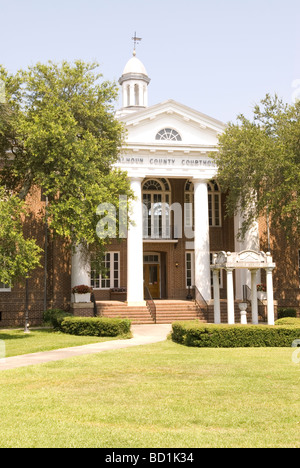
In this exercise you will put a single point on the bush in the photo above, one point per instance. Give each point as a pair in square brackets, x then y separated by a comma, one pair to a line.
[233, 336]
[288, 321]
[95, 326]
[286, 312]
[55, 317]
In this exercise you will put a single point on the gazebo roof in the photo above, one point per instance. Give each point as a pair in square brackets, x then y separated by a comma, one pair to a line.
[245, 259]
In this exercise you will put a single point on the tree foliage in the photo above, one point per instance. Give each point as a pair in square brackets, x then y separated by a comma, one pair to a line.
[259, 165]
[58, 132]
[18, 255]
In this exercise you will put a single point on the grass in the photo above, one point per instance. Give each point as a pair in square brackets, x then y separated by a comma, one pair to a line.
[160, 395]
[17, 342]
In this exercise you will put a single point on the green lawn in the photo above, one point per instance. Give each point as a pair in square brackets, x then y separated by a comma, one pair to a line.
[154, 396]
[17, 342]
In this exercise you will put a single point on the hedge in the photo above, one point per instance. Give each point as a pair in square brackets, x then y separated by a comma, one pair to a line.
[286, 312]
[233, 336]
[55, 317]
[292, 321]
[95, 326]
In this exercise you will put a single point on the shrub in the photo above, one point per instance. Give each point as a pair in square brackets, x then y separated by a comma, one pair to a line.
[288, 321]
[55, 317]
[233, 336]
[286, 312]
[95, 326]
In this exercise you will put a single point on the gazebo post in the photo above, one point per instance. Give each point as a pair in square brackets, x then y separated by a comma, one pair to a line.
[217, 309]
[254, 305]
[270, 293]
[230, 296]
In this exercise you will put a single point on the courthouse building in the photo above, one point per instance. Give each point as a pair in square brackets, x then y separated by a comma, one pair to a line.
[179, 223]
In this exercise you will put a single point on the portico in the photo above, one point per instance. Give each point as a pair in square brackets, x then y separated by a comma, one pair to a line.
[177, 217]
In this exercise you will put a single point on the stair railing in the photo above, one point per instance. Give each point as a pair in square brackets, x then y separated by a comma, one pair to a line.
[247, 294]
[150, 303]
[200, 301]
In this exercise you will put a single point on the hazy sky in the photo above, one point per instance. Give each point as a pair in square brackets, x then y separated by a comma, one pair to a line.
[217, 56]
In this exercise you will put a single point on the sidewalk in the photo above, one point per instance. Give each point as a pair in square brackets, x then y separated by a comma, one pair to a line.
[142, 334]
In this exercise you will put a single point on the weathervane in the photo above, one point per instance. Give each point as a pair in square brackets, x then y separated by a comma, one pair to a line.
[136, 40]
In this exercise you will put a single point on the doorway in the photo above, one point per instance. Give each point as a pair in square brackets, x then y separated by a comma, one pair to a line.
[152, 274]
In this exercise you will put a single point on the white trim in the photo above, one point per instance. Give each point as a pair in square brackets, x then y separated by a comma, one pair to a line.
[4, 287]
[192, 260]
[111, 278]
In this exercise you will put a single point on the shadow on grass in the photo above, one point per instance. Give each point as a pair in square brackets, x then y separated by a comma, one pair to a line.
[19, 334]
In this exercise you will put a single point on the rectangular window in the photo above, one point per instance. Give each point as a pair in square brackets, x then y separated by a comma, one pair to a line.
[189, 269]
[109, 276]
[188, 210]
[5, 287]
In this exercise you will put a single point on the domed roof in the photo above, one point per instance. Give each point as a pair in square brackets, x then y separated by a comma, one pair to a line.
[134, 65]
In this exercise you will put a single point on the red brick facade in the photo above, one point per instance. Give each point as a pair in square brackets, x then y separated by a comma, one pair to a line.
[172, 266]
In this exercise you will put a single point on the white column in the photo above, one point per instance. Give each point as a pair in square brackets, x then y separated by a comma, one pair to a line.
[135, 282]
[230, 296]
[254, 305]
[201, 241]
[270, 296]
[217, 311]
[80, 267]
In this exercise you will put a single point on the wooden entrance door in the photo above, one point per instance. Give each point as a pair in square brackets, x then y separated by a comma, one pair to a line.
[152, 279]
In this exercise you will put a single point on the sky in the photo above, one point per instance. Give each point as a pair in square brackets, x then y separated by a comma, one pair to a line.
[220, 57]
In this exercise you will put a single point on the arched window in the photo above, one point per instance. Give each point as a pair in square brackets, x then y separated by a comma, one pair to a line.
[214, 204]
[156, 209]
[168, 134]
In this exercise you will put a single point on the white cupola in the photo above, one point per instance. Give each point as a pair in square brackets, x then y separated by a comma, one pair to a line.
[134, 82]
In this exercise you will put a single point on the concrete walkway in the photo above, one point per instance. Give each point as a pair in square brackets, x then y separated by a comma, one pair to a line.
[142, 334]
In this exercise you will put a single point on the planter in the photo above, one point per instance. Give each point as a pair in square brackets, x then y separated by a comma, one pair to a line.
[86, 297]
[243, 309]
[262, 295]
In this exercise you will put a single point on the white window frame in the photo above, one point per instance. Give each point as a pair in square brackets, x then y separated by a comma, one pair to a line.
[112, 271]
[5, 287]
[190, 253]
[151, 221]
[214, 201]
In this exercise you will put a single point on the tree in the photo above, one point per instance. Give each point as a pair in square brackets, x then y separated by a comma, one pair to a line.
[58, 132]
[18, 256]
[259, 165]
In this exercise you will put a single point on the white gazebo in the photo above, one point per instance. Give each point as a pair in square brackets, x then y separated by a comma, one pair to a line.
[253, 261]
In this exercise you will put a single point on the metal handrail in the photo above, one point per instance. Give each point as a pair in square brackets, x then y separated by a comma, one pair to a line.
[150, 303]
[199, 299]
[247, 293]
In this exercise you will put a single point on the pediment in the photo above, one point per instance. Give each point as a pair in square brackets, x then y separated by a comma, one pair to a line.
[194, 127]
